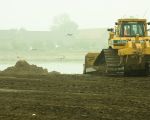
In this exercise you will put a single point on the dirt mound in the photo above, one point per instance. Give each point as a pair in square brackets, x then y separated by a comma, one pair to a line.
[23, 67]
[54, 73]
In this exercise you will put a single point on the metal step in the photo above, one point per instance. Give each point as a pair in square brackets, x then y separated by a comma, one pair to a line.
[113, 65]
[115, 69]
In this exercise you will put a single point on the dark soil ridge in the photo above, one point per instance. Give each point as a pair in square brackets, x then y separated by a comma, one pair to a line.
[22, 67]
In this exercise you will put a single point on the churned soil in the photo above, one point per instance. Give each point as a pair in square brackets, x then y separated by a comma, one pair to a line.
[74, 97]
[22, 67]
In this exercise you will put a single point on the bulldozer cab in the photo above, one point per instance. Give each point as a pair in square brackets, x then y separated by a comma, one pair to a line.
[126, 30]
[131, 28]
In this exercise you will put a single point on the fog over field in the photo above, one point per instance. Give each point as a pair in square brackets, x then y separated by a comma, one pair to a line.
[39, 14]
[56, 64]
[46, 30]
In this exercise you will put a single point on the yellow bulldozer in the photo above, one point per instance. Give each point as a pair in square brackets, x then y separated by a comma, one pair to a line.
[128, 51]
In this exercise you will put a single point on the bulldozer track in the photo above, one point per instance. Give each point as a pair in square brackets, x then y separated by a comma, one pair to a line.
[108, 63]
[147, 60]
[112, 62]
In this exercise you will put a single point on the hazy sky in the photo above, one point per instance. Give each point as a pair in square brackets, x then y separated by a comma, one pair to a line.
[38, 14]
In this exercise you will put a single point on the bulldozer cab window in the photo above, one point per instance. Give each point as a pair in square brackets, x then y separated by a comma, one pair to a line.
[127, 30]
[132, 29]
[137, 29]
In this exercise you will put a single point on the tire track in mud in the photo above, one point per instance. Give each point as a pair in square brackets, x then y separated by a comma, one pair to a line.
[40, 91]
[15, 90]
[7, 90]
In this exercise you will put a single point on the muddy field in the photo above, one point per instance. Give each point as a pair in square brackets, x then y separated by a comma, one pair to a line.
[74, 97]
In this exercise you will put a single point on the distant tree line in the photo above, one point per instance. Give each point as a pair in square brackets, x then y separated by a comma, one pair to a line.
[63, 36]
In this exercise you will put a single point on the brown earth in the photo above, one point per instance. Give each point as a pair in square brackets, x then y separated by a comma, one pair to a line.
[74, 97]
[22, 67]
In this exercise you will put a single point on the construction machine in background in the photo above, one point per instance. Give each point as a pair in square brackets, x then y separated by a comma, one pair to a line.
[128, 51]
